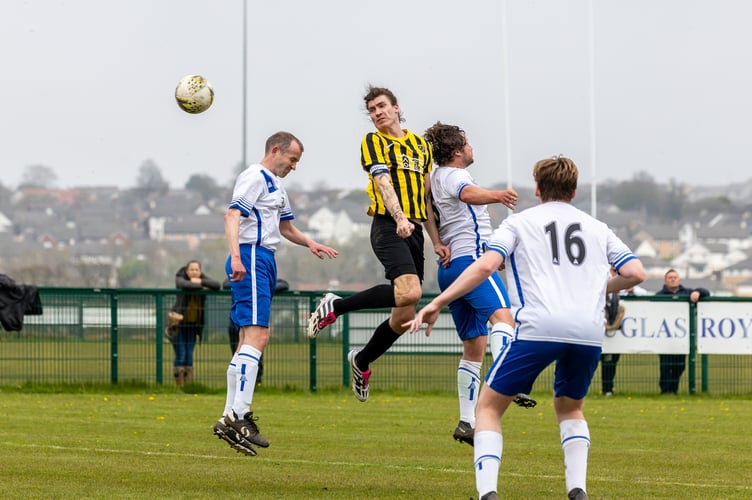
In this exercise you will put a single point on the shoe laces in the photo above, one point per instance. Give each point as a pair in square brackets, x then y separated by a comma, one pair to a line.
[251, 421]
[327, 320]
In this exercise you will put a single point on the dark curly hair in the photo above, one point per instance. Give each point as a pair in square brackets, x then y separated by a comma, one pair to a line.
[445, 141]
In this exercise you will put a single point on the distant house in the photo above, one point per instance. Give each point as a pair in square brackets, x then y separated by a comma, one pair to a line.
[192, 229]
[646, 249]
[663, 238]
[6, 226]
[738, 277]
[337, 227]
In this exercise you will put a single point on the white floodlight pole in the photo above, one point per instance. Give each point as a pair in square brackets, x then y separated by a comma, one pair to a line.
[507, 111]
[593, 195]
[245, 83]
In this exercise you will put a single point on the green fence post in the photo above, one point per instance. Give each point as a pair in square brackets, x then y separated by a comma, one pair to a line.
[704, 372]
[345, 350]
[312, 364]
[692, 347]
[81, 318]
[158, 336]
[114, 337]
[311, 351]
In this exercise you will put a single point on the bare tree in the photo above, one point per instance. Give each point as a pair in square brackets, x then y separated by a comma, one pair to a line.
[150, 180]
[40, 176]
[204, 185]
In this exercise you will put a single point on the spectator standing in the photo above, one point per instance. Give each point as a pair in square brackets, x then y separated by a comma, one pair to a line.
[672, 365]
[615, 311]
[190, 279]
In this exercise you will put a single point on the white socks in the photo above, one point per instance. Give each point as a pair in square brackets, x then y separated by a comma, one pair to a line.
[468, 385]
[501, 335]
[575, 441]
[246, 363]
[232, 383]
[487, 450]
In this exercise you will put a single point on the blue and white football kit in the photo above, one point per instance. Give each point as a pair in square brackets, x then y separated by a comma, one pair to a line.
[548, 248]
[465, 228]
[263, 203]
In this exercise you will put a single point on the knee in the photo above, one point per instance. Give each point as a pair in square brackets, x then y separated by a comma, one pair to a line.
[407, 296]
[407, 290]
[411, 297]
[503, 315]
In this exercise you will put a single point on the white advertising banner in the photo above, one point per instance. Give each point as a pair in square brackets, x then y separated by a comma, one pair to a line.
[724, 328]
[651, 327]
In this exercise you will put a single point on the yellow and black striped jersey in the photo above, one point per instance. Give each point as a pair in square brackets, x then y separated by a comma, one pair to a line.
[406, 160]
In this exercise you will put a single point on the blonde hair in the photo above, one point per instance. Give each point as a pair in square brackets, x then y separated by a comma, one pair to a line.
[556, 178]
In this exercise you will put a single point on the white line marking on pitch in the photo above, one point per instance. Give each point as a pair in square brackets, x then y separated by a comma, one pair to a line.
[742, 487]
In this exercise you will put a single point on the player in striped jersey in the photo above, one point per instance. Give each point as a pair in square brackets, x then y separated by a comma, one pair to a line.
[559, 258]
[398, 163]
[464, 226]
[258, 217]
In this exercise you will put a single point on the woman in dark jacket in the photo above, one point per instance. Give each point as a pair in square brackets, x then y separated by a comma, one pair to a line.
[189, 278]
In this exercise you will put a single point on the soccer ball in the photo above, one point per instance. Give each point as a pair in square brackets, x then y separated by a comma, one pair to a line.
[194, 94]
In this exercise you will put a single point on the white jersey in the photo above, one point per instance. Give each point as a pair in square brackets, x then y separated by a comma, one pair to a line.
[463, 227]
[263, 203]
[557, 259]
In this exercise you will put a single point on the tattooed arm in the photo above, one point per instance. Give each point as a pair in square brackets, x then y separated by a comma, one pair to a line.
[404, 227]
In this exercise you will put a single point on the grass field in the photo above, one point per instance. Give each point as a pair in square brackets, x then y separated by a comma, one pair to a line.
[135, 444]
[288, 366]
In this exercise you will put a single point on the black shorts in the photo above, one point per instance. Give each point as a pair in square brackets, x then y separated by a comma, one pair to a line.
[398, 256]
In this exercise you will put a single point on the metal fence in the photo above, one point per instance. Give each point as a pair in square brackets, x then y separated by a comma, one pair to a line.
[95, 336]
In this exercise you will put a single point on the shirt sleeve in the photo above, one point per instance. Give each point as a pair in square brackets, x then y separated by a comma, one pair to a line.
[456, 181]
[372, 154]
[286, 213]
[248, 189]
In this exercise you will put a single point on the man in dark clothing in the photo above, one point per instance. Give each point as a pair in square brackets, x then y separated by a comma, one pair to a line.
[15, 302]
[672, 365]
[614, 317]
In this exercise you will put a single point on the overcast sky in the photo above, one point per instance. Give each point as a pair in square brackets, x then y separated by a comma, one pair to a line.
[88, 85]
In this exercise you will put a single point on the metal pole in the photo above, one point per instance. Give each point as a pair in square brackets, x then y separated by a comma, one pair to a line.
[507, 111]
[245, 84]
[593, 191]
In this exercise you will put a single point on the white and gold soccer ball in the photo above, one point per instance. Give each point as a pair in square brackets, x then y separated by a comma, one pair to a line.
[194, 94]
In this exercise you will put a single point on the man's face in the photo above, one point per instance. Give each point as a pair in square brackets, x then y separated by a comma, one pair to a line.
[284, 163]
[466, 154]
[672, 280]
[383, 113]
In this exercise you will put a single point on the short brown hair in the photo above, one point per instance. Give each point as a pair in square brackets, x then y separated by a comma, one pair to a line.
[282, 140]
[669, 272]
[374, 92]
[556, 178]
[445, 141]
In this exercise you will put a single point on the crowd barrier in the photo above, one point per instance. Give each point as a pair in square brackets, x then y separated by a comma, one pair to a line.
[117, 336]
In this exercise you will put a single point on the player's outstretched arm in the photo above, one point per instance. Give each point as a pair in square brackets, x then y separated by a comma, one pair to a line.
[294, 235]
[428, 315]
[476, 195]
[470, 278]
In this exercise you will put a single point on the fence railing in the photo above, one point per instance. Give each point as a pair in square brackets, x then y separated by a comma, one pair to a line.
[116, 336]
